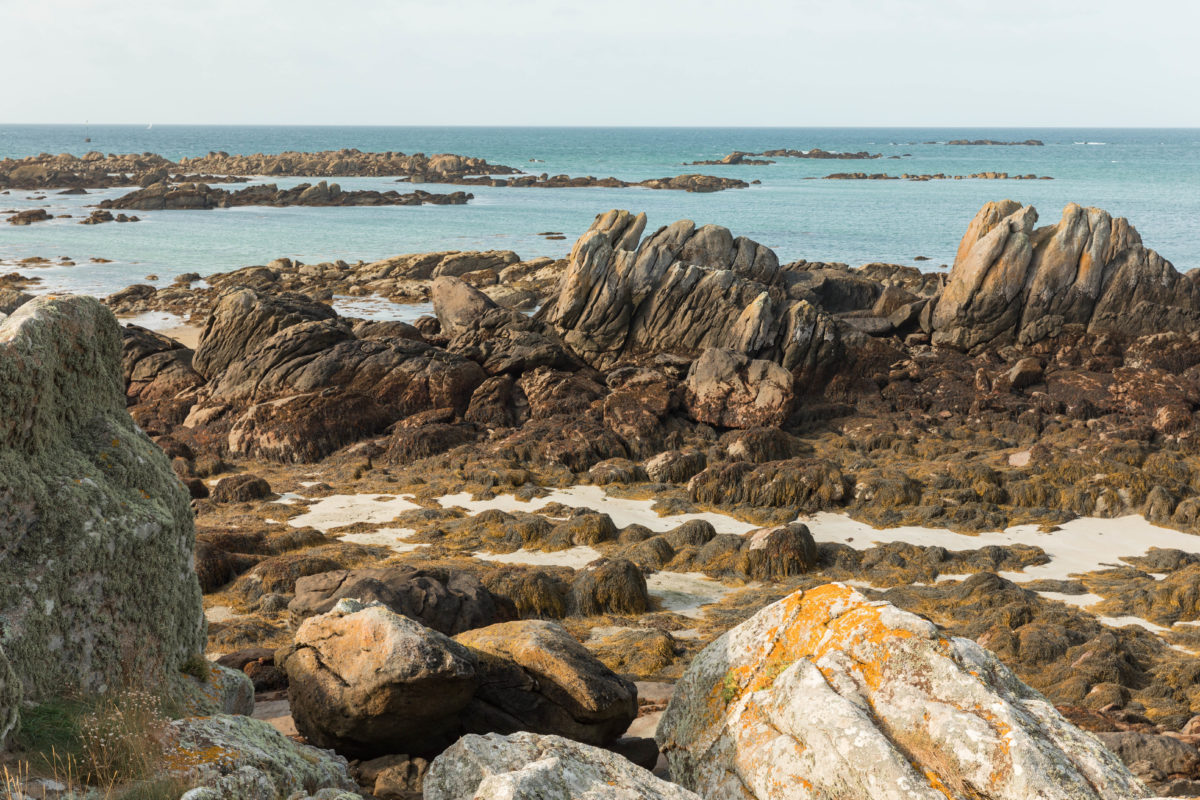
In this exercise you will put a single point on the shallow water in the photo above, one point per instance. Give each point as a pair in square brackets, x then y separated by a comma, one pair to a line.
[1147, 175]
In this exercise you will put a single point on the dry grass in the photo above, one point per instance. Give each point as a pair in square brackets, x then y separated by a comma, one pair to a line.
[111, 747]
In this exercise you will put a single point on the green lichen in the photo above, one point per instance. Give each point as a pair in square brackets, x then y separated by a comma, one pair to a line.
[96, 585]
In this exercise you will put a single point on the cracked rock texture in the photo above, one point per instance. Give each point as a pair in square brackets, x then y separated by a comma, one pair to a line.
[525, 766]
[827, 694]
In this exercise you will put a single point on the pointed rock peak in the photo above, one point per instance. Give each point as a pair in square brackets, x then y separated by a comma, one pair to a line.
[988, 217]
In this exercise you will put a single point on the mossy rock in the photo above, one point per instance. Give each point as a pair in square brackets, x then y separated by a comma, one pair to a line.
[11, 692]
[97, 588]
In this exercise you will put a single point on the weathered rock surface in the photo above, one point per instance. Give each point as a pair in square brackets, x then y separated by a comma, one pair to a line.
[526, 766]
[12, 692]
[448, 601]
[368, 682]
[827, 694]
[239, 758]
[1012, 282]
[682, 290]
[535, 676]
[728, 389]
[97, 584]
[294, 383]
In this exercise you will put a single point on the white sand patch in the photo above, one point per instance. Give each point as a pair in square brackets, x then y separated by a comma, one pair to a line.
[339, 510]
[391, 538]
[623, 511]
[1081, 545]
[289, 499]
[686, 593]
[573, 557]
[1121, 622]
[1078, 600]
[220, 614]
[1020, 459]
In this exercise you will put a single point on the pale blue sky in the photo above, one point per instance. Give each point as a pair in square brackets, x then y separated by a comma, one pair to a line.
[614, 62]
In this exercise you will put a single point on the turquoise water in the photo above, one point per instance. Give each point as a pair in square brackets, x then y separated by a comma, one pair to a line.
[1150, 176]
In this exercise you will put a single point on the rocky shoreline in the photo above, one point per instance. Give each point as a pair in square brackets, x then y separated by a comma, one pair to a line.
[762, 159]
[160, 196]
[625, 543]
[940, 176]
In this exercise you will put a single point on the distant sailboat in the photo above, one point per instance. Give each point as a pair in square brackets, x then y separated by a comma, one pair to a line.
[151, 125]
[87, 134]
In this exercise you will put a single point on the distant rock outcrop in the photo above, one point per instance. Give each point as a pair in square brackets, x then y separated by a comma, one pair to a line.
[191, 196]
[839, 696]
[1014, 283]
[96, 581]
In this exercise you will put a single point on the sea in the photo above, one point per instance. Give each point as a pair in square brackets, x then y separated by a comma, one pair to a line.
[1150, 176]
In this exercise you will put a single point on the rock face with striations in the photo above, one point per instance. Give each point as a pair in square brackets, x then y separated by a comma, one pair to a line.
[96, 580]
[1015, 283]
[681, 290]
[294, 382]
[827, 694]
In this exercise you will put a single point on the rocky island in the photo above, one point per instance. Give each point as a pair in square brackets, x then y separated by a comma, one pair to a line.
[622, 547]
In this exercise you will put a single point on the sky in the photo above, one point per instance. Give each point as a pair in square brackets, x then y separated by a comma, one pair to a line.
[1087, 63]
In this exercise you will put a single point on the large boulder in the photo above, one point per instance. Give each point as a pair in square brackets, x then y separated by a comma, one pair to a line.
[367, 681]
[526, 766]
[827, 694]
[730, 390]
[681, 290]
[96, 582]
[457, 304]
[535, 676]
[448, 601]
[239, 758]
[1012, 282]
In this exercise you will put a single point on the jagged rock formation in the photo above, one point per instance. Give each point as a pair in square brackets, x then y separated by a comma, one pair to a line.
[191, 196]
[828, 694]
[1014, 283]
[293, 382]
[96, 581]
[682, 290]
[526, 766]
